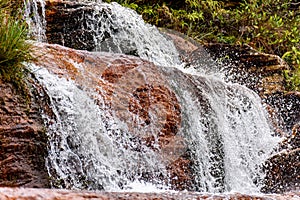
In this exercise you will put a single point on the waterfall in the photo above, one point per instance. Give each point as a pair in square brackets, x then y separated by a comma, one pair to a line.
[130, 34]
[91, 146]
[227, 131]
[36, 19]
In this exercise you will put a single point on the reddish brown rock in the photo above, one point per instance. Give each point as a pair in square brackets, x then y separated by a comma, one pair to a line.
[22, 140]
[136, 92]
[46, 194]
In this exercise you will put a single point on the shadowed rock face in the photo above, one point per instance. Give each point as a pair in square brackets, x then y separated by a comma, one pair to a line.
[282, 170]
[22, 140]
[67, 24]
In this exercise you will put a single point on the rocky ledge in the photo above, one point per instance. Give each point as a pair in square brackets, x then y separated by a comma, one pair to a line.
[47, 194]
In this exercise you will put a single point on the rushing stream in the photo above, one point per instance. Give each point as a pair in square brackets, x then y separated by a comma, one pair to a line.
[223, 126]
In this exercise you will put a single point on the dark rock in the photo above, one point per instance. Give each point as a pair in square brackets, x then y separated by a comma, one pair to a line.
[258, 71]
[286, 105]
[283, 172]
[22, 140]
[67, 24]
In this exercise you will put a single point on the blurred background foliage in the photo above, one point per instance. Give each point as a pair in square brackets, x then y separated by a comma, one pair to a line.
[270, 26]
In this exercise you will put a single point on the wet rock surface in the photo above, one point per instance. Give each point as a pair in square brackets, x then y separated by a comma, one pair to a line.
[22, 140]
[260, 72]
[137, 93]
[46, 194]
[67, 24]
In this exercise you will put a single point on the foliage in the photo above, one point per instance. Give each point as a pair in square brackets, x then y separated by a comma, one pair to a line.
[271, 26]
[14, 49]
[293, 78]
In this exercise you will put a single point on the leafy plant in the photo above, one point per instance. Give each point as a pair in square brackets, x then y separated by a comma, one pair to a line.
[293, 77]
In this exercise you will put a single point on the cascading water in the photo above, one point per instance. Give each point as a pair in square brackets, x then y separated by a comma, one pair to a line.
[129, 34]
[90, 148]
[36, 20]
[227, 130]
[224, 125]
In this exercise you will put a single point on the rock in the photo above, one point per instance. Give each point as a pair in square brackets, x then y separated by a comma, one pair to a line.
[283, 172]
[47, 194]
[286, 105]
[258, 71]
[283, 169]
[65, 24]
[240, 63]
[22, 140]
[138, 94]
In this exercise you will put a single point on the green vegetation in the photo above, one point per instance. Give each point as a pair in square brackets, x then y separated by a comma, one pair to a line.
[270, 26]
[14, 49]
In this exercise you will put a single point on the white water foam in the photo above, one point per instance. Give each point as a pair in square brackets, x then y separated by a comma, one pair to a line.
[36, 19]
[129, 34]
[89, 148]
[227, 130]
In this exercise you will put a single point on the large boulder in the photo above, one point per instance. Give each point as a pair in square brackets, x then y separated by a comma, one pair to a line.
[137, 93]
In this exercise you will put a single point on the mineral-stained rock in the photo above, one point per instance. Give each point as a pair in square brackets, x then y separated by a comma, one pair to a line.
[22, 140]
[136, 92]
[47, 194]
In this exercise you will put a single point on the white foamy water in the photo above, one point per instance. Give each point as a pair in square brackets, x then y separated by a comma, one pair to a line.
[227, 130]
[36, 19]
[129, 34]
[89, 148]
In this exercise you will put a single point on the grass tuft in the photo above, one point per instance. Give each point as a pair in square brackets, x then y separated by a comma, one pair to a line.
[14, 49]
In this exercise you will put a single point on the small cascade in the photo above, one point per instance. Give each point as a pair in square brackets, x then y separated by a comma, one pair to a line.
[94, 145]
[89, 147]
[36, 19]
[129, 34]
[227, 130]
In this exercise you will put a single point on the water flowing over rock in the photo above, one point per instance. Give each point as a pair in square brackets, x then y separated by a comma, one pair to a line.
[115, 121]
[106, 27]
[175, 125]
[131, 90]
